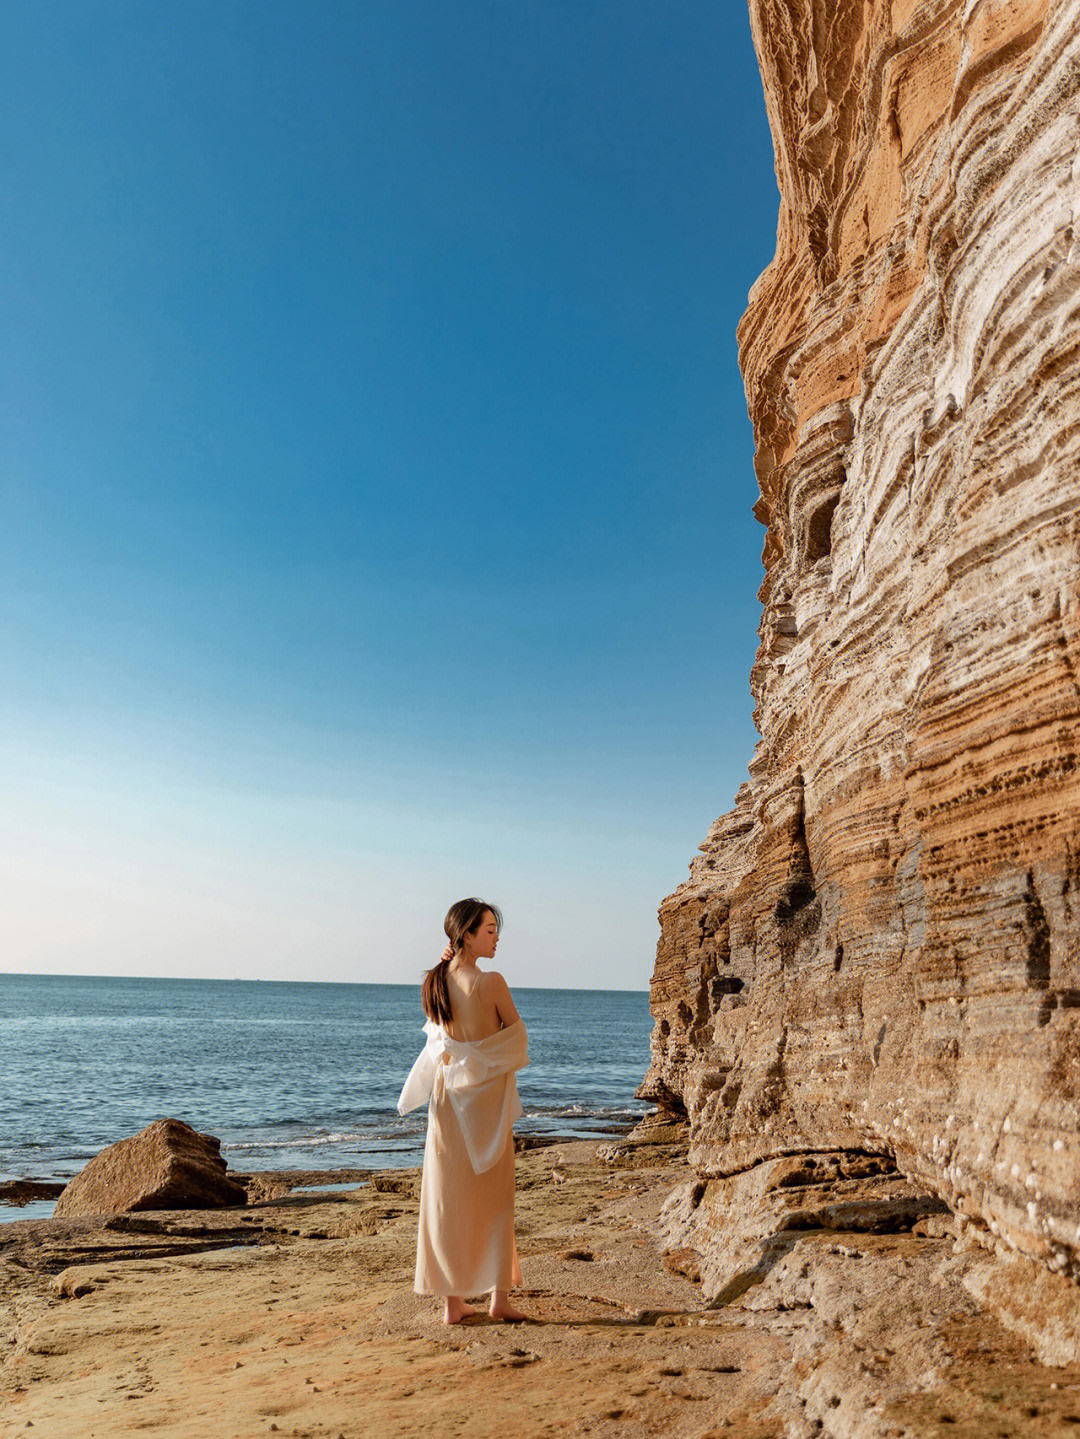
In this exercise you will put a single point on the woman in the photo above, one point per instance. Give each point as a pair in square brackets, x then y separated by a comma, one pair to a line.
[476, 1042]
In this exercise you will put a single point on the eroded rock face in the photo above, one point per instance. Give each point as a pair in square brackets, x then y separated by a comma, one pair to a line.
[742, 1226]
[167, 1165]
[878, 949]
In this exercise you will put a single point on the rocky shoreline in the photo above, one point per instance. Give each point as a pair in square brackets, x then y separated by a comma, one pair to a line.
[295, 1315]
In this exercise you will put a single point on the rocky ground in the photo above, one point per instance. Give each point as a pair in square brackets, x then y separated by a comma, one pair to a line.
[296, 1316]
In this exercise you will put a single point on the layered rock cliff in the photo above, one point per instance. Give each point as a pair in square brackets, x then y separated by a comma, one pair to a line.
[878, 950]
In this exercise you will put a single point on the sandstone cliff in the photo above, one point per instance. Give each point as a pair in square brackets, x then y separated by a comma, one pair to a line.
[878, 950]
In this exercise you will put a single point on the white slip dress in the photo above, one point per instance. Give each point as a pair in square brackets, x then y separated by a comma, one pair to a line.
[465, 1234]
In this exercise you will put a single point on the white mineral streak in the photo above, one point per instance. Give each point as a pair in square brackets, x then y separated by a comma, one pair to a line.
[878, 949]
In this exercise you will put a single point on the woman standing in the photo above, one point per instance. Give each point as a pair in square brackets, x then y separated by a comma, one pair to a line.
[476, 1042]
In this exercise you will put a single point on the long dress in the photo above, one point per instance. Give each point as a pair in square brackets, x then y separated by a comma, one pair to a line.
[465, 1233]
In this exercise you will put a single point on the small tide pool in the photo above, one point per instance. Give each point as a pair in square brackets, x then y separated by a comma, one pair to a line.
[33, 1209]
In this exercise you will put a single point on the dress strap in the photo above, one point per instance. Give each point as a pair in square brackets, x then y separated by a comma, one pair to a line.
[469, 993]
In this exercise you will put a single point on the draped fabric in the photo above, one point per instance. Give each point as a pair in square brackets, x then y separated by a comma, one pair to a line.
[465, 1231]
[478, 1076]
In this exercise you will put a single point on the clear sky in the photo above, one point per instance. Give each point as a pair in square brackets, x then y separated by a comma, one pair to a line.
[376, 477]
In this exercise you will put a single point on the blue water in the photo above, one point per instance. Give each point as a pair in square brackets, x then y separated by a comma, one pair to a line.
[287, 1075]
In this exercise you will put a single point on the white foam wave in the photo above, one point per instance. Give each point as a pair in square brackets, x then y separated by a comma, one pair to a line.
[302, 1141]
[586, 1111]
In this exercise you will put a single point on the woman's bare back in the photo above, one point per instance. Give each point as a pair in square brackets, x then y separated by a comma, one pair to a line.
[480, 1002]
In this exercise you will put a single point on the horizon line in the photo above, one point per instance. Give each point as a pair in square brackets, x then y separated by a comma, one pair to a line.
[238, 979]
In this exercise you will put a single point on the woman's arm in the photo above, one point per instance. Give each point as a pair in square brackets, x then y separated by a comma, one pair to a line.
[504, 1004]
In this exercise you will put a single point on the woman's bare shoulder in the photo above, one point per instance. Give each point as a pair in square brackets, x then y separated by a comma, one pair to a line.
[497, 991]
[498, 994]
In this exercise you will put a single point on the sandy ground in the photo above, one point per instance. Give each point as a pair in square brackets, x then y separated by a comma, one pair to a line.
[296, 1316]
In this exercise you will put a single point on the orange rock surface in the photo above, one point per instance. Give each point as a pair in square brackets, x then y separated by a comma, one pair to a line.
[167, 1165]
[295, 1314]
[878, 949]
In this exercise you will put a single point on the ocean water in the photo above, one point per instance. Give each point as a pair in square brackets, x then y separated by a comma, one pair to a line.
[287, 1075]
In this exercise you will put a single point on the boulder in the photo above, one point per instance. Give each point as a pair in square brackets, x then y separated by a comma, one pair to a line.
[167, 1165]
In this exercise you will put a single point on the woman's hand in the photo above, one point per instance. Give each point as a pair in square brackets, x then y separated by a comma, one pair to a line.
[447, 955]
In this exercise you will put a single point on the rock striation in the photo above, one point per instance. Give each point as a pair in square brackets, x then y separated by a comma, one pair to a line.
[877, 952]
[167, 1165]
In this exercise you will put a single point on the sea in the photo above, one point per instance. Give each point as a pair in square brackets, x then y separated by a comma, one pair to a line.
[287, 1075]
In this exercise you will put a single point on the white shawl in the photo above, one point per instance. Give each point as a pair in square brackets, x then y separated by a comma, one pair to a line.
[479, 1078]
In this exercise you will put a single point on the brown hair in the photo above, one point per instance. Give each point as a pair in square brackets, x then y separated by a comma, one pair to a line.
[462, 918]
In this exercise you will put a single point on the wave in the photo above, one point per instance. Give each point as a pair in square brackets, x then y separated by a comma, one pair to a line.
[412, 1126]
[314, 1141]
[586, 1111]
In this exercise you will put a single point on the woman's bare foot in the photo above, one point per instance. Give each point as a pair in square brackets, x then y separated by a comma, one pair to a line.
[455, 1310]
[501, 1308]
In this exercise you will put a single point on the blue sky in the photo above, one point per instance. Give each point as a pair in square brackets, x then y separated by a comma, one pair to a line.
[376, 477]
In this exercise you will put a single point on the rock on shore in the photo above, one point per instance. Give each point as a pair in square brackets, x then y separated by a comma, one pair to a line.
[167, 1165]
[878, 950]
